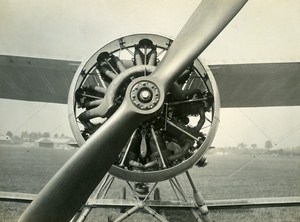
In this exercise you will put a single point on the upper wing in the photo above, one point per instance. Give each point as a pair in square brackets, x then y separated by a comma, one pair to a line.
[35, 79]
[240, 85]
[256, 85]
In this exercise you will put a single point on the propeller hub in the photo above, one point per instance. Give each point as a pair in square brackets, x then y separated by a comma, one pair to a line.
[145, 95]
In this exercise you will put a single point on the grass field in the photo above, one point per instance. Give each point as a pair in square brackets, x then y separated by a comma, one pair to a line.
[28, 170]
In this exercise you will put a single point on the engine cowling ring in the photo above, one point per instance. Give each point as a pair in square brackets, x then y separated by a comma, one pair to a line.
[194, 95]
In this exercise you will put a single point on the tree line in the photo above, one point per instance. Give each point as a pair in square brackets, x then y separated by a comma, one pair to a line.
[30, 137]
[268, 145]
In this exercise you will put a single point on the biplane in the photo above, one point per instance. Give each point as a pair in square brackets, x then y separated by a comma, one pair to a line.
[144, 108]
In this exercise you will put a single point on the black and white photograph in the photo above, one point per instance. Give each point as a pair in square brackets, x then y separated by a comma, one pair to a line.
[144, 111]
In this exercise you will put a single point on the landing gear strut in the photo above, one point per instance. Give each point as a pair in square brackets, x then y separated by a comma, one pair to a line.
[142, 201]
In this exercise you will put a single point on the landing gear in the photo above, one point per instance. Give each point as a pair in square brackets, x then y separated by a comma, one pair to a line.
[123, 197]
[142, 193]
[182, 117]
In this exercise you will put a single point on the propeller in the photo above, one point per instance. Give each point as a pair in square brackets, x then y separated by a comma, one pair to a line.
[71, 186]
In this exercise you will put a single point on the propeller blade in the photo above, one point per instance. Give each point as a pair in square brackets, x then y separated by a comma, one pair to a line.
[71, 186]
[207, 21]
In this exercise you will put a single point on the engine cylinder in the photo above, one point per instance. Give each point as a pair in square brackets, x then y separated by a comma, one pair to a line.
[173, 140]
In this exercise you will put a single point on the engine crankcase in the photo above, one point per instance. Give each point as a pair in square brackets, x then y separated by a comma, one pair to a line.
[176, 137]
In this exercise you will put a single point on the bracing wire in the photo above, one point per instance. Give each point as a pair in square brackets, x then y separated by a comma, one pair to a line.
[228, 133]
[281, 139]
[254, 157]
[29, 118]
[288, 134]
[58, 126]
[258, 127]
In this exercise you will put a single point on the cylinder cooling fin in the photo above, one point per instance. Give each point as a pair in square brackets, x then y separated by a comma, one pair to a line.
[171, 141]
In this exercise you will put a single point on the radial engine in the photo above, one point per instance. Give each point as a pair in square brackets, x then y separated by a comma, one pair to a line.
[176, 137]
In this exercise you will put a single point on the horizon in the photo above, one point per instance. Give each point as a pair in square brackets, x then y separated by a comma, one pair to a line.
[237, 125]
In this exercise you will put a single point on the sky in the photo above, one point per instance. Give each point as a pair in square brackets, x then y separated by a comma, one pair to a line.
[264, 31]
[72, 29]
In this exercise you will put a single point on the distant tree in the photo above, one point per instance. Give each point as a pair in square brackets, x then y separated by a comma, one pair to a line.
[16, 139]
[254, 146]
[36, 136]
[62, 135]
[46, 135]
[25, 136]
[55, 135]
[39, 135]
[32, 136]
[268, 144]
[242, 145]
[9, 134]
